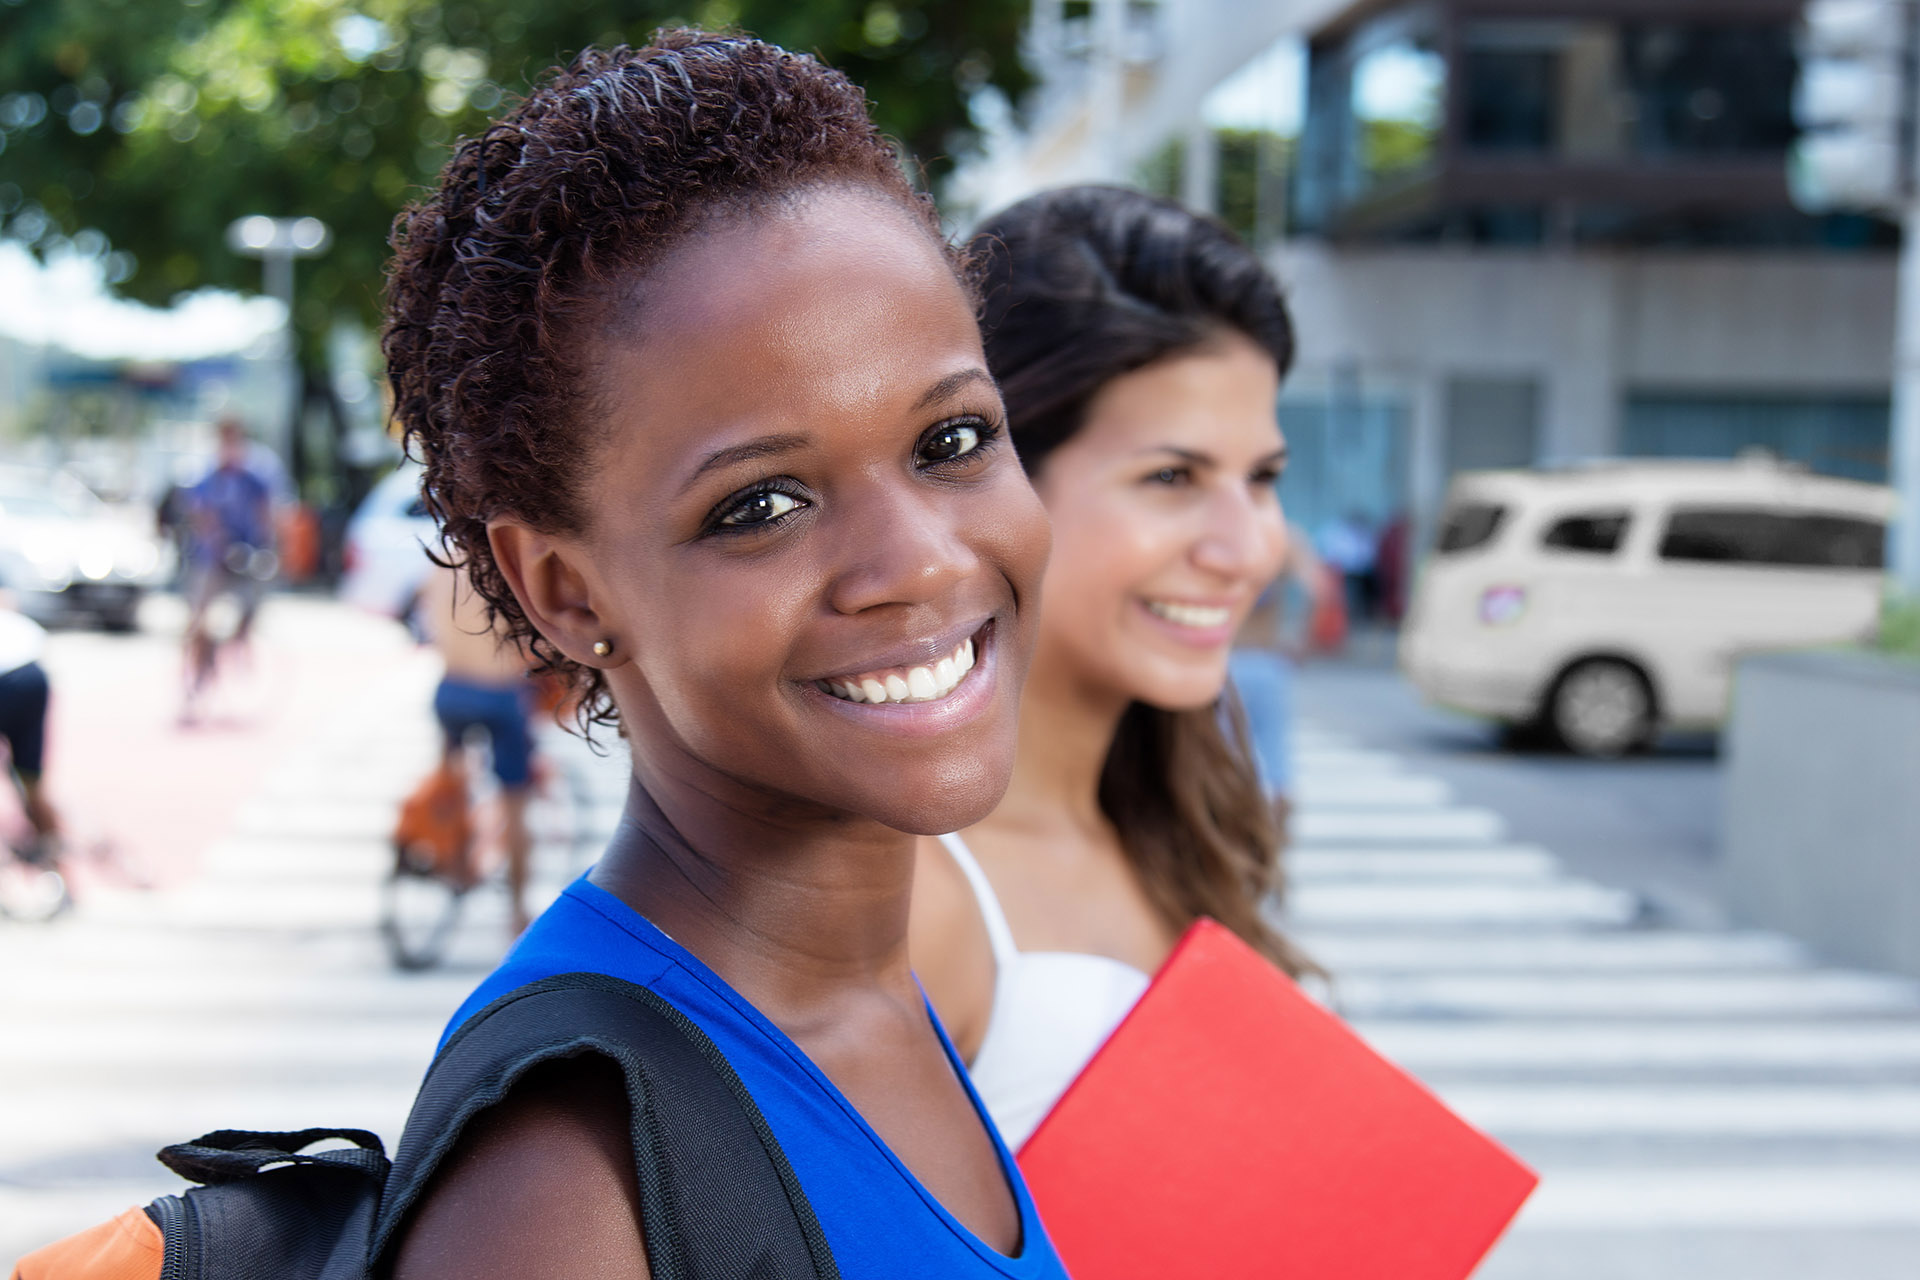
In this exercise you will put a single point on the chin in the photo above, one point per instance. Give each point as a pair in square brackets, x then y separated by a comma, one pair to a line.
[954, 799]
[1184, 689]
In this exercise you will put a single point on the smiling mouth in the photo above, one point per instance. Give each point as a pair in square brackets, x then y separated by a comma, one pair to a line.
[1190, 615]
[928, 683]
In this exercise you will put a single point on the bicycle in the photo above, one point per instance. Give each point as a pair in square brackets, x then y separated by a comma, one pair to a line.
[32, 887]
[432, 877]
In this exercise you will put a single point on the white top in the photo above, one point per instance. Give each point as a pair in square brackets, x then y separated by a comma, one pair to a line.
[1051, 1011]
[22, 640]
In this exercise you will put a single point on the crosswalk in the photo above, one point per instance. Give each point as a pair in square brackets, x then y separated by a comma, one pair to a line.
[258, 995]
[1698, 1103]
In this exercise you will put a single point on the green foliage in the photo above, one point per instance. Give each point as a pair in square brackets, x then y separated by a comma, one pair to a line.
[1900, 626]
[1253, 166]
[157, 122]
[1393, 148]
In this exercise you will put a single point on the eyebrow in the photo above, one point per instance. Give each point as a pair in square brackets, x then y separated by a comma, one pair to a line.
[951, 383]
[1277, 457]
[750, 451]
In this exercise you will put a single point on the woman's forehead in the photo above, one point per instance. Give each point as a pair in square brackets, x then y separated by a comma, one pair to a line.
[839, 304]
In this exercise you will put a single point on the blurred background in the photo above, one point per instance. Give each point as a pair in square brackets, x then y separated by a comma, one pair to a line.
[1605, 428]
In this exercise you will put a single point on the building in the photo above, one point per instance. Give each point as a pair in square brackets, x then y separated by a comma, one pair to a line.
[1518, 231]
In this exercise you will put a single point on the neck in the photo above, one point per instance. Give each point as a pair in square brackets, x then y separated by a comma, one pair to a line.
[792, 912]
[1066, 730]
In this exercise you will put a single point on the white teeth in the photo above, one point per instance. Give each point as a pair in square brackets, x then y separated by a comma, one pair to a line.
[919, 684]
[1191, 615]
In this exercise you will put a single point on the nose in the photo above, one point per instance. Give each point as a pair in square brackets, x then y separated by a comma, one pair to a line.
[897, 544]
[1243, 536]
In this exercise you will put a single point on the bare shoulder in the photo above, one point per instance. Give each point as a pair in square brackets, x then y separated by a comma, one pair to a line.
[540, 1186]
[947, 941]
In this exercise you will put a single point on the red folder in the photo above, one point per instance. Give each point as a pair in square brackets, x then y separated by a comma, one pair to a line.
[1231, 1127]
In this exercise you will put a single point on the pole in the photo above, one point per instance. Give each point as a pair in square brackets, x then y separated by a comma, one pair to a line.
[1903, 443]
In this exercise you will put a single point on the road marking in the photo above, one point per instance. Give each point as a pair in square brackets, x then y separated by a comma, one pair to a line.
[1453, 826]
[1401, 949]
[1721, 1110]
[1790, 1198]
[1321, 790]
[1422, 1045]
[1510, 862]
[1778, 994]
[1565, 902]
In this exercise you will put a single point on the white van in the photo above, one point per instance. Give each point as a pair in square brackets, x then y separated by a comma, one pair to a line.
[1606, 600]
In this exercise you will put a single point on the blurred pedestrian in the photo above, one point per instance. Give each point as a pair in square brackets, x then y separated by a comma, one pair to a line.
[1140, 349]
[484, 687]
[1277, 638]
[1349, 545]
[230, 552]
[24, 695]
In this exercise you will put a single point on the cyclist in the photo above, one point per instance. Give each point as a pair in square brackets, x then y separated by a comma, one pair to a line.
[485, 686]
[230, 549]
[23, 723]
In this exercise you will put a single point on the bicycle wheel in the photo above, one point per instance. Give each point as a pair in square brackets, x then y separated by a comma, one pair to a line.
[419, 910]
[32, 891]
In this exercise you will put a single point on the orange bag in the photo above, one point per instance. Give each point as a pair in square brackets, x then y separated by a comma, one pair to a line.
[435, 830]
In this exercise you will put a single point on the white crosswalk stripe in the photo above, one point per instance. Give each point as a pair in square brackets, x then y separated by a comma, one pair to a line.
[1689, 1086]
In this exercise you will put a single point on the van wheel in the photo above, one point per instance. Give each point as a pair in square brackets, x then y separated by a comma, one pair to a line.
[1602, 708]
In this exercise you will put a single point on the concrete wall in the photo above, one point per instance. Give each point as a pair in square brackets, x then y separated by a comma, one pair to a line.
[1590, 327]
[1821, 834]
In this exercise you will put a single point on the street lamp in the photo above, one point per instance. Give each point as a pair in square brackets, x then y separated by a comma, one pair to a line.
[277, 242]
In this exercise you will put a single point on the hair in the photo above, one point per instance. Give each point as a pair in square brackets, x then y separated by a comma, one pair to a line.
[499, 274]
[1081, 285]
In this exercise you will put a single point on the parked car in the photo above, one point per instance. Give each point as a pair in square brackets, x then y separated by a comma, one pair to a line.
[67, 556]
[1603, 602]
[386, 545]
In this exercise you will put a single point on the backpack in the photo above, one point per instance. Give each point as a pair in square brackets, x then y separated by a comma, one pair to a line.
[269, 1208]
[434, 832]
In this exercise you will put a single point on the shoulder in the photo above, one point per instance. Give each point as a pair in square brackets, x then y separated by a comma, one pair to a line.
[948, 943]
[541, 1185]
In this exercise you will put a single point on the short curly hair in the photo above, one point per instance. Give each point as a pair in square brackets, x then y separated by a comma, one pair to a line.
[495, 276]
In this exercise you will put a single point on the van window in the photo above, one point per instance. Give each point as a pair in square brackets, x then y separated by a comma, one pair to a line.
[1730, 535]
[1598, 532]
[1468, 525]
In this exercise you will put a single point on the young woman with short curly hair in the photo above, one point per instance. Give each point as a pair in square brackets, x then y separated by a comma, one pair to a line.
[706, 419]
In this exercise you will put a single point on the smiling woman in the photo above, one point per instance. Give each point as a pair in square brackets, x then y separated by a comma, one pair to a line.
[1140, 348]
[706, 418]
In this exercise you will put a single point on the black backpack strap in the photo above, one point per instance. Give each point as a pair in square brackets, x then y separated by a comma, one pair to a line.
[718, 1198]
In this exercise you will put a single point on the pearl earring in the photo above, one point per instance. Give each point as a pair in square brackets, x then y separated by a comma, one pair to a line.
[601, 648]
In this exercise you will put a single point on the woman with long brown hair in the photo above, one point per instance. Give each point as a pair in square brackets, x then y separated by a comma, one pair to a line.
[1139, 349]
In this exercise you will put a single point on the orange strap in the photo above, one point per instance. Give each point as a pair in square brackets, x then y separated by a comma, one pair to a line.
[127, 1248]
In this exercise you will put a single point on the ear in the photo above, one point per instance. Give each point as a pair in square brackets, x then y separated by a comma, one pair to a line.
[544, 572]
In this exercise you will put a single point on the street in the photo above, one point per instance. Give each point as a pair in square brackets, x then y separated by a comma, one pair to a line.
[1533, 936]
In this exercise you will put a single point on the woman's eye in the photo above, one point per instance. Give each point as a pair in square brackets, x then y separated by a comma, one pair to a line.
[954, 440]
[760, 508]
[1171, 475]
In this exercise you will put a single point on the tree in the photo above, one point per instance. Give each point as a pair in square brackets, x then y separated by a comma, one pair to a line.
[155, 123]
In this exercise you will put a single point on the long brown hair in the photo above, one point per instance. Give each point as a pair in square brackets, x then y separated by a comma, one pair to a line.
[1079, 286]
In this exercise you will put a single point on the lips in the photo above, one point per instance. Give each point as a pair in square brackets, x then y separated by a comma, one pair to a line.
[928, 682]
[1201, 616]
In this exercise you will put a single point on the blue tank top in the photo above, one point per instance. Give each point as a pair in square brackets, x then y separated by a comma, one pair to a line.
[881, 1223]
